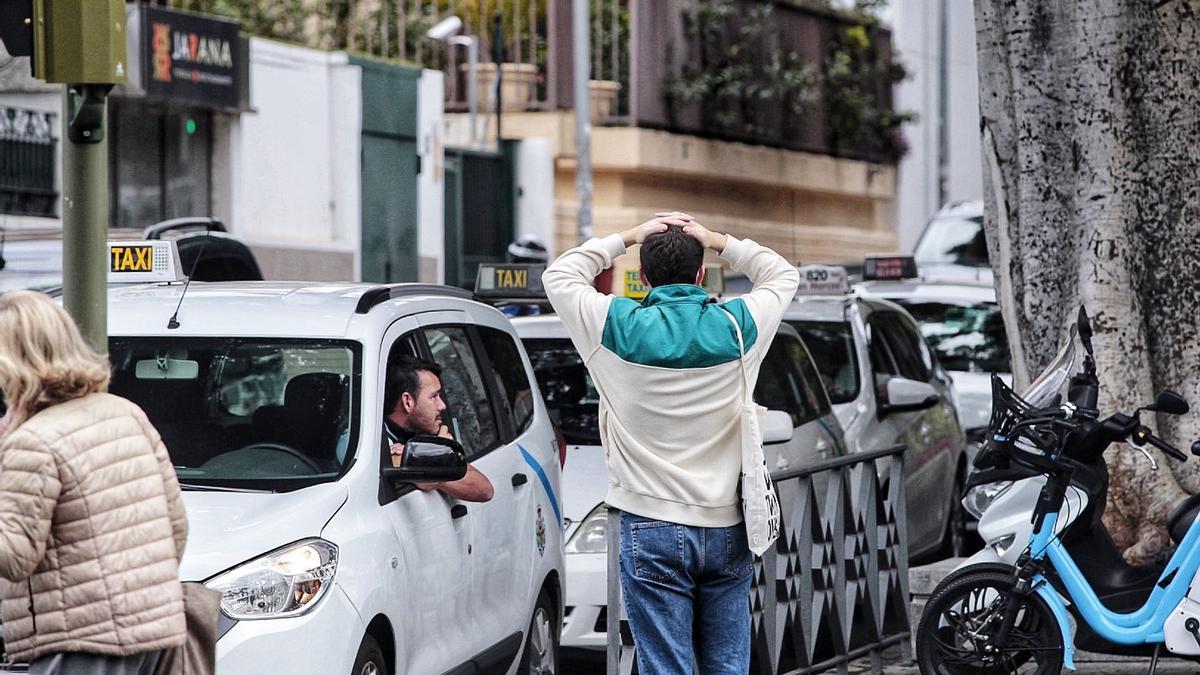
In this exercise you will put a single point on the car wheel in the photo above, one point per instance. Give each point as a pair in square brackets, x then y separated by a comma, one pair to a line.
[370, 659]
[541, 640]
[954, 542]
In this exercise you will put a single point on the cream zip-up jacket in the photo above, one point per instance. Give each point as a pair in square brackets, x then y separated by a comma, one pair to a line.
[669, 379]
[92, 528]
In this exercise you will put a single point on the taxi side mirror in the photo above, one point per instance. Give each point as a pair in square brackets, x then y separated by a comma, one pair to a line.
[905, 395]
[777, 427]
[429, 459]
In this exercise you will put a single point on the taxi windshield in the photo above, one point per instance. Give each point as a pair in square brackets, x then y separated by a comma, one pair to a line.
[570, 396]
[258, 413]
[831, 344]
[967, 337]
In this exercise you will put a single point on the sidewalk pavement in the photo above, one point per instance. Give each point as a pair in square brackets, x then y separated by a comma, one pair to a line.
[1086, 663]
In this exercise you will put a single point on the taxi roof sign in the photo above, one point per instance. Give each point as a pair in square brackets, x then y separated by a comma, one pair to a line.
[149, 261]
[823, 280]
[510, 281]
[889, 267]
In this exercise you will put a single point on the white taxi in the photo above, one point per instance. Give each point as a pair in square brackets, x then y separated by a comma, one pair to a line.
[961, 321]
[888, 388]
[800, 429]
[269, 397]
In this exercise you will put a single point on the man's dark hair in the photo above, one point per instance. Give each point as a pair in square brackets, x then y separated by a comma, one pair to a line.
[405, 378]
[671, 257]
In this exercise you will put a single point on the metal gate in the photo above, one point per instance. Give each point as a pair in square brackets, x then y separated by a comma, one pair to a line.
[479, 210]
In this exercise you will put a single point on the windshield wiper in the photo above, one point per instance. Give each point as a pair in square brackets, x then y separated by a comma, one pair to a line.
[218, 488]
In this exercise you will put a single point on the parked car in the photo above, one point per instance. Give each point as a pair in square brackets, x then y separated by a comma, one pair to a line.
[269, 398]
[962, 323]
[888, 387]
[34, 259]
[801, 428]
[954, 244]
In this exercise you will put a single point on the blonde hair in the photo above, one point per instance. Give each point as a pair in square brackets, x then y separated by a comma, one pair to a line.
[44, 359]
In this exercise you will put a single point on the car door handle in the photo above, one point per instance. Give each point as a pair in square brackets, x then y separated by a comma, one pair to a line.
[519, 479]
[458, 511]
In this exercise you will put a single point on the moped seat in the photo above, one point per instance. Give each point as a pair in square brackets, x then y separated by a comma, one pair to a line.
[1182, 516]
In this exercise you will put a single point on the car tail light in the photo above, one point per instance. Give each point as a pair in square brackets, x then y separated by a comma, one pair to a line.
[561, 442]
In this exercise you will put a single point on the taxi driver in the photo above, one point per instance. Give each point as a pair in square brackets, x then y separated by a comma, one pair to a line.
[413, 405]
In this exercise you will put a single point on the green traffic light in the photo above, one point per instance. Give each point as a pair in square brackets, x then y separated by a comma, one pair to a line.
[190, 126]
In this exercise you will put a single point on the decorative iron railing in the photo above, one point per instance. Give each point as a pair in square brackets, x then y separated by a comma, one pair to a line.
[27, 163]
[835, 586]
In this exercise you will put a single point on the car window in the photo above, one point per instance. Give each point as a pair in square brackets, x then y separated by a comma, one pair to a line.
[571, 397]
[834, 355]
[780, 386]
[967, 337]
[909, 354]
[508, 369]
[879, 349]
[953, 240]
[468, 407]
[811, 386]
[265, 413]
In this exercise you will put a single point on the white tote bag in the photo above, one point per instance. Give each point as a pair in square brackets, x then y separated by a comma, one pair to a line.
[760, 505]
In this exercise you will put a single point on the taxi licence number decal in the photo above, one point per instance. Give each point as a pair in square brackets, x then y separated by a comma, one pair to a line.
[132, 259]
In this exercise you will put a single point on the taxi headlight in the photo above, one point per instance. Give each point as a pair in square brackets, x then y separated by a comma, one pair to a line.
[979, 498]
[283, 583]
[592, 534]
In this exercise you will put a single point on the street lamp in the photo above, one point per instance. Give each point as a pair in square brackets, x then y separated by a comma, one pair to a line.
[446, 31]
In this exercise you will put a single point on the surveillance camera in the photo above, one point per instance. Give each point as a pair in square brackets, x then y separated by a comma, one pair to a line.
[445, 28]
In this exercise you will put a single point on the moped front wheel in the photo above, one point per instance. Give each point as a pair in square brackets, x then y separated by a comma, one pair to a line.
[956, 634]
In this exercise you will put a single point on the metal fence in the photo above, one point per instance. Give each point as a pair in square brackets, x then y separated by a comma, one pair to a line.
[27, 163]
[835, 586]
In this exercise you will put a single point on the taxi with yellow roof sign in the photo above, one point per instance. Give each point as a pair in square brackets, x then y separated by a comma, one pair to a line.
[270, 398]
[800, 428]
[887, 388]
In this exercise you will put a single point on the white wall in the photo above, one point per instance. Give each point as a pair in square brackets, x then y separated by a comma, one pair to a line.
[294, 165]
[915, 34]
[431, 182]
[18, 89]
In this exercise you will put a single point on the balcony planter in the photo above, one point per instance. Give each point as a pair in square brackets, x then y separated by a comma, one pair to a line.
[517, 86]
[604, 98]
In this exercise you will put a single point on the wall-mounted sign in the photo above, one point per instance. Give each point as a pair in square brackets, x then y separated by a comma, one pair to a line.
[191, 58]
[634, 288]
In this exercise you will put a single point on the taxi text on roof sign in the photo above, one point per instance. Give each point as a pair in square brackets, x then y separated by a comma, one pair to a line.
[509, 281]
[143, 261]
[879, 267]
[131, 258]
[822, 280]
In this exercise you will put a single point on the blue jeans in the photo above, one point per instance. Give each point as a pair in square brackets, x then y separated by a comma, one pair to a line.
[687, 592]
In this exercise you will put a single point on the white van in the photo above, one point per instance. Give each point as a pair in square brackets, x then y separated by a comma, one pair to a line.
[269, 395]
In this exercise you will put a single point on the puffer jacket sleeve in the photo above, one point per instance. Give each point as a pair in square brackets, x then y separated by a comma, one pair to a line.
[29, 490]
[170, 484]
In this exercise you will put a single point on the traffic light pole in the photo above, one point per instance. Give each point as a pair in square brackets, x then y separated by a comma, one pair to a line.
[85, 211]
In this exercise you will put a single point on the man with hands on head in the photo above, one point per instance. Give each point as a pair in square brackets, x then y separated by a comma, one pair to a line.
[669, 373]
[413, 406]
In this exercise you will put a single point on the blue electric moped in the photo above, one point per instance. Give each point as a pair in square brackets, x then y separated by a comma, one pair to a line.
[1002, 618]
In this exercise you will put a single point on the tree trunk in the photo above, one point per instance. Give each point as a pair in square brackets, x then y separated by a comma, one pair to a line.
[1091, 124]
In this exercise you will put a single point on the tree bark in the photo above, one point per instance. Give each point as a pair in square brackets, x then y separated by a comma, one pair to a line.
[1091, 123]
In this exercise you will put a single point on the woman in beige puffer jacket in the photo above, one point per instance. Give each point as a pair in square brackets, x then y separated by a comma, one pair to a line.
[91, 520]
